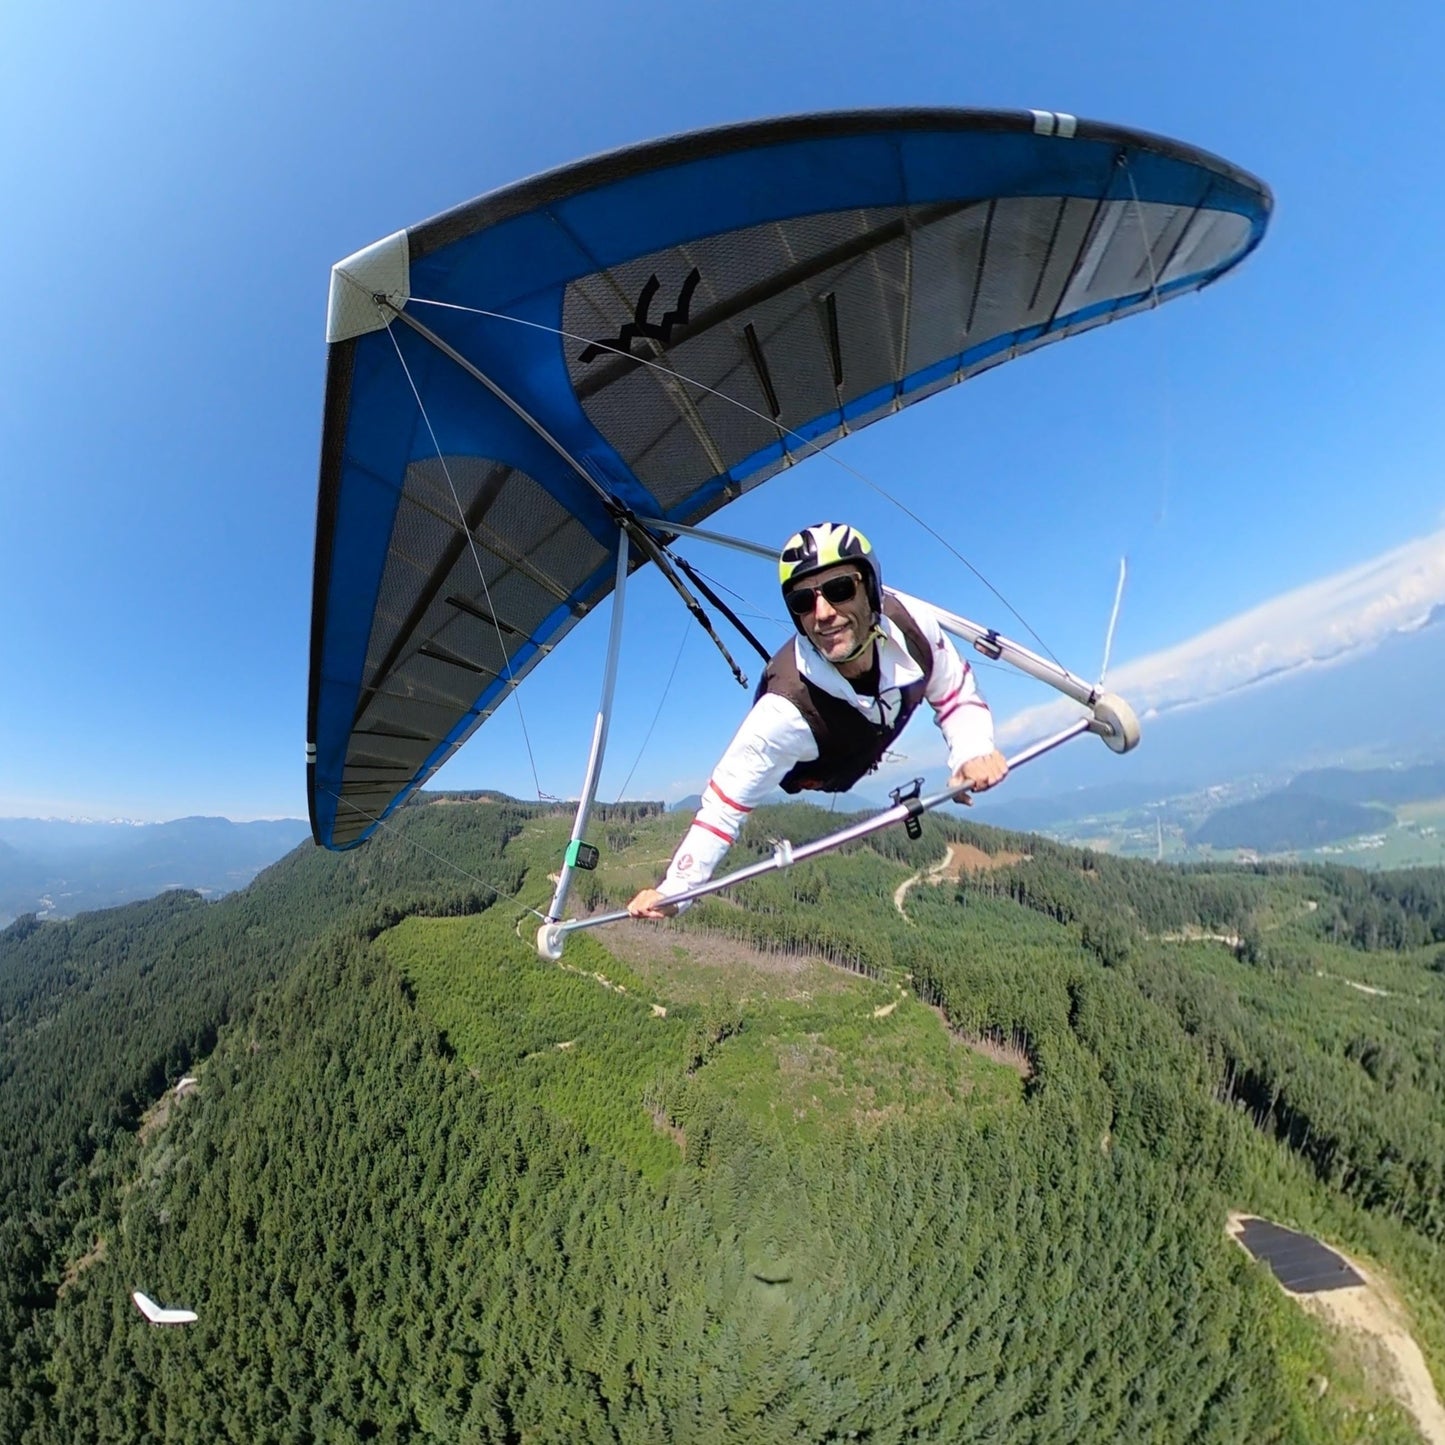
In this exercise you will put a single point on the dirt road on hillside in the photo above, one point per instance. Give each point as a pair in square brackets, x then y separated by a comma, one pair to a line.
[960, 859]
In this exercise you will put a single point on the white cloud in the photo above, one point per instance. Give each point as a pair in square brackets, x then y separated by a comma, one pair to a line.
[1318, 623]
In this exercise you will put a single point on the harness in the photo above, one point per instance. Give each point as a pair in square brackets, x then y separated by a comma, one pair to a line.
[850, 745]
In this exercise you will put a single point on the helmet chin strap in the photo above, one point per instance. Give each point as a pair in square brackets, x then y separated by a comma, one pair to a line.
[874, 634]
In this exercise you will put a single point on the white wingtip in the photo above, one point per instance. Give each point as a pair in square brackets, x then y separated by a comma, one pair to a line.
[381, 269]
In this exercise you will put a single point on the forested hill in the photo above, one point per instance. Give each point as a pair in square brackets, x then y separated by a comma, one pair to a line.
[1320, 806]
[830, 1159]
[1289, 820]
[1417, 783]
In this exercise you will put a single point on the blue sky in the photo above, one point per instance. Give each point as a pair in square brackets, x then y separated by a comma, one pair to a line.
[179, 180]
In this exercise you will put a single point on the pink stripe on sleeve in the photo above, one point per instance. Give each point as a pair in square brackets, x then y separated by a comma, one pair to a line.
[708, 828]
[727, 799]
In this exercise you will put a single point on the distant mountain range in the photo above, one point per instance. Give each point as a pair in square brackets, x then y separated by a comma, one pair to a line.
[1323, 805]
[60, 867]
[1381, 707]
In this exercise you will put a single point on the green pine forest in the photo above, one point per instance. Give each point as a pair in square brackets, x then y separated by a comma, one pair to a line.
[798, 1166]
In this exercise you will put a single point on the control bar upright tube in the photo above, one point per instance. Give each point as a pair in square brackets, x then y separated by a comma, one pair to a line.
[599, 732]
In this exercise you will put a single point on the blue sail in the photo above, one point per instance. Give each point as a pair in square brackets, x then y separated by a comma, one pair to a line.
[653, 332]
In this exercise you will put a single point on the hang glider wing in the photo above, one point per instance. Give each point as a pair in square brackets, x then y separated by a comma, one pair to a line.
[159, 1314]
[495, 398]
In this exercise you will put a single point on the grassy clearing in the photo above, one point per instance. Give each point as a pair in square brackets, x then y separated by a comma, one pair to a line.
[819, 1059]
[808, 1048]
[1427, 814]
[805, 1069]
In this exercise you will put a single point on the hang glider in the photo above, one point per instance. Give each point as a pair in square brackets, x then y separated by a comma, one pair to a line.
[159, 1314]
[532, 395]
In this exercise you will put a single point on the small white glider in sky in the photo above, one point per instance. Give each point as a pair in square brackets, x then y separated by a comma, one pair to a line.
[158, 1314]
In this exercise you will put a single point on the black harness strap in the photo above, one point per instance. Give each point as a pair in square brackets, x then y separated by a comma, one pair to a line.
[721, 606]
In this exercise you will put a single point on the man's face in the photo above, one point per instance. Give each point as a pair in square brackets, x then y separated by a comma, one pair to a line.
[836, 628]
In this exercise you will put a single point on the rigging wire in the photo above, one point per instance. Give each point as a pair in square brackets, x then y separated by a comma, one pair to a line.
[700, 582]
[771, 421]
[744, 603]
[1143, 230]
[455, 867]
[681, 647]
[1166, 466]
[472, 544]
[1162, 371]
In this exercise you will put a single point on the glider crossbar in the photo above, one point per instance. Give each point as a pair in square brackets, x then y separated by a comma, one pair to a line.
[738, 544]
[599, 735]
[998, 648]
[551, 937]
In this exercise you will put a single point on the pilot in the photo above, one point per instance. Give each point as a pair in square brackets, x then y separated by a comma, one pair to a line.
[832, 701]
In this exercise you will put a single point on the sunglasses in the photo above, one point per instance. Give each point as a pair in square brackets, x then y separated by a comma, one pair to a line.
[836, 590]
